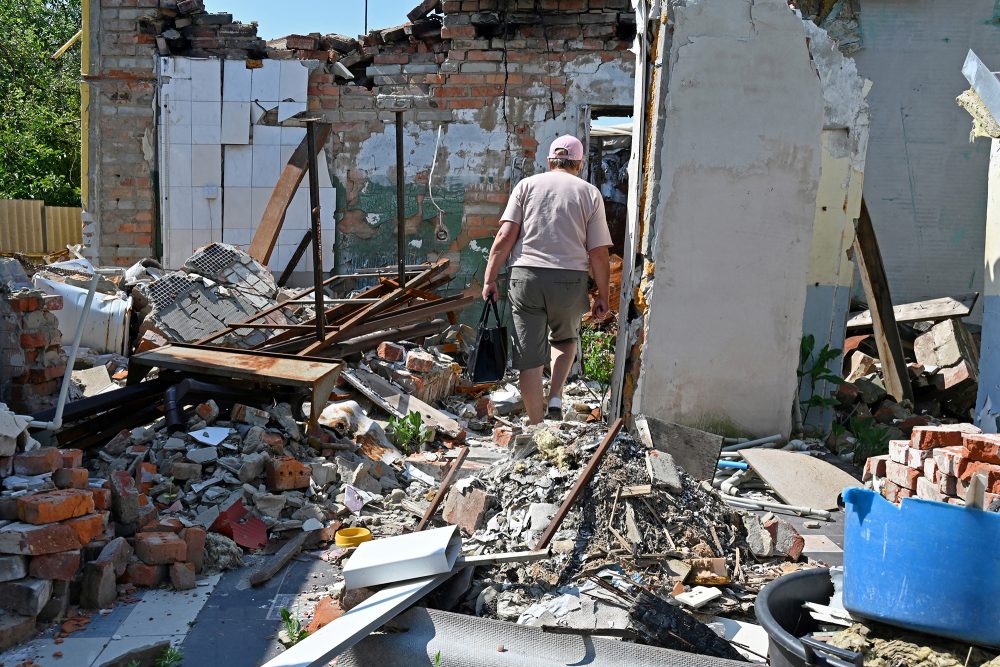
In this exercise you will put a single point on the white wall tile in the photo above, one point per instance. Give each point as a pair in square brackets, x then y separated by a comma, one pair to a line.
[206, 113]
[236, 213]
[258, 202]
[180, 68]
[178, 205]
[266, 166]
[285, 155]
[206, 134]
[236, 122]
[297, 216]
[288, 109]
[206, 165]
[199, 238]
[238, 166]
[177, 112]
[292, 136]
[266, 135]
[265, 82]
[174, 89]
[206, 214]
[240, 237]
[179, 165]
[258, 109]
[236, 81]
[179, 248]
[294, 81]
[206, 80]
[176, 134]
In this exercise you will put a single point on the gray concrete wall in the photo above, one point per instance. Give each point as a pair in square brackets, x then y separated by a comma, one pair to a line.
[739, 174]
[925, 184]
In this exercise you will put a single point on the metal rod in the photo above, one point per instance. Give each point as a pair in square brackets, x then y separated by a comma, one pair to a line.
[56, 422]
[317, 239]
[400, 204]
[581, 484]
[287, 301]
[296, 257]
[443, 489]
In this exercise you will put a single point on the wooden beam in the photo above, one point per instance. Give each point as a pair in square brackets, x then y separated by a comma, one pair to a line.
[945, 308]
[876, 285]
[266, 235]
[274, 564]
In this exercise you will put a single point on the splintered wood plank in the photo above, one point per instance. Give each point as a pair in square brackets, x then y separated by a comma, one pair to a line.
[946, 307]
[693, 450]
[799, 479]
[873, 278]
[266, 235]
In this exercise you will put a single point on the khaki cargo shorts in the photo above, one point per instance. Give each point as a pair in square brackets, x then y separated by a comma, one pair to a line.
[552, 300]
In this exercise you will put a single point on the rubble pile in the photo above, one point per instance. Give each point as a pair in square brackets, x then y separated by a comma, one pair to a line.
[218, 285]
[886, 646]
[622, 528]
[938, 463]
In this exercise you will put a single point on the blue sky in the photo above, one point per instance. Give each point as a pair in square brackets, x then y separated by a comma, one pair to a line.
[277, 18]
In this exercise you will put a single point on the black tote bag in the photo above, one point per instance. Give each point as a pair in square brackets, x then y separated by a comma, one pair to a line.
[488, 361]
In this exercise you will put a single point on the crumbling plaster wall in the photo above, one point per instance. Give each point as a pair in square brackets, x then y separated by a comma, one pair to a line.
[924, 184]
[739, 170]
[498, 102]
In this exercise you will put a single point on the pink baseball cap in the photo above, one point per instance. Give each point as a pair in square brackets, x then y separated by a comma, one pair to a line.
[568, 143]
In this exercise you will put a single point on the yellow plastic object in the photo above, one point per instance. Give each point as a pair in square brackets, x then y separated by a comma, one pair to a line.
[352, 537]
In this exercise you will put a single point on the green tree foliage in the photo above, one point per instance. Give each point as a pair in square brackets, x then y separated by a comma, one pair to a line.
[40, 98]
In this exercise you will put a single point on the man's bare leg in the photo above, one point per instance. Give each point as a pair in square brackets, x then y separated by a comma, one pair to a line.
[530, 381]
[563, 355]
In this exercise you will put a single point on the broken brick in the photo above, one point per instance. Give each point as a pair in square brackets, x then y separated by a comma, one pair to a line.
[53, 506]
[195, 537]
[124, 497]
[929, 437]
[928, 490]
[391, 351]
[102, 498]
[38, 462]
[915, 457]
[118, 552]
[468, 510]
[285, 473]
[71, 478]
[875, 467]
[208, 411]
[62, 566]
[504, 435]
[160, 548]
[968, 469]
[89, 527]
[785, 538]
[983, 447]
[146, 576]
[420, 361]
[99, 589]
[182, 576]
[29, 540]
[947, 459]
[249, 415]
[26, 596]
[901, 475]
[71, 458]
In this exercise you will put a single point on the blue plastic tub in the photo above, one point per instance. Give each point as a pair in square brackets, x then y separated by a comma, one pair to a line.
[925, 566]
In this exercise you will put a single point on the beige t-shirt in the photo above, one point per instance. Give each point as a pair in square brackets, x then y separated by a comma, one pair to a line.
[561, 218]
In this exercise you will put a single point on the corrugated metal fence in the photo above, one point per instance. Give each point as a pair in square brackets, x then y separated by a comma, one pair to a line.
[31, 227]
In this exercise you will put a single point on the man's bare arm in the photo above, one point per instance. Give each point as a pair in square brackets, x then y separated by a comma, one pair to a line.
[600, 268]
[502, 246]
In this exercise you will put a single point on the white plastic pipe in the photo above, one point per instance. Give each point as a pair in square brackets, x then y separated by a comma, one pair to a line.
[764, 504]
[56, 422]
[760, 442]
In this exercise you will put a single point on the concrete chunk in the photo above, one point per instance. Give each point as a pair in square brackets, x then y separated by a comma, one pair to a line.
[662, 470]
[27, 596]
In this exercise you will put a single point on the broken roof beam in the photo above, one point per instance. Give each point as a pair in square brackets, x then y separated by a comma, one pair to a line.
[945, 308]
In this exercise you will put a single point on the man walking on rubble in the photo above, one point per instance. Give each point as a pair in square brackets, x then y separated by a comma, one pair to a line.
[555, 233]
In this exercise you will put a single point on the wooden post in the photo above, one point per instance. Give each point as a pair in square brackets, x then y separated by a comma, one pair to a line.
[890, 349]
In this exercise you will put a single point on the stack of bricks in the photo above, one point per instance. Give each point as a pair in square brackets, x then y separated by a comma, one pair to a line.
[33, 369]
[420, 373]
[58, 543]
[937, 463]
[329, 48]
